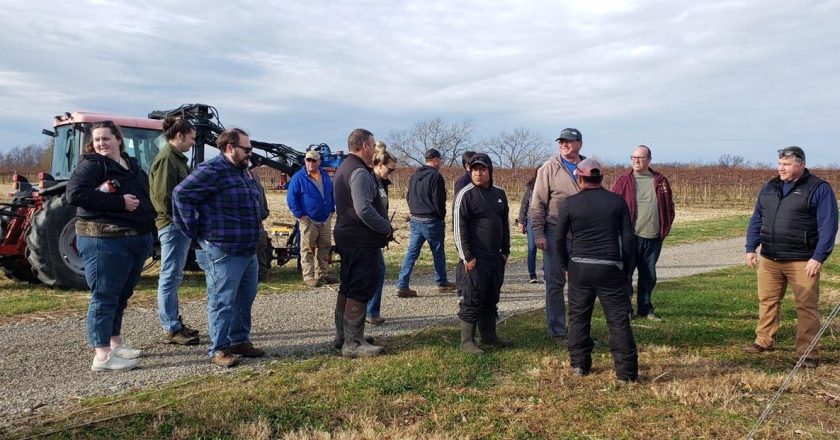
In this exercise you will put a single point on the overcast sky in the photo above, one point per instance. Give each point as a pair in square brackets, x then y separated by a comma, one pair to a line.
[692, 79]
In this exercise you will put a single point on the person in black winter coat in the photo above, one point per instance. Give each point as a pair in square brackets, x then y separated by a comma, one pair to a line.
[114, 229]
[427, 203]
[601, 233]
[482, 237]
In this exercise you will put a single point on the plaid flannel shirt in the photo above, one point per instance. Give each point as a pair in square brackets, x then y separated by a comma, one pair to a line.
[219, 203]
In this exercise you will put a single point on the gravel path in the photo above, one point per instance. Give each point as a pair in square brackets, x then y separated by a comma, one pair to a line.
[45, 377]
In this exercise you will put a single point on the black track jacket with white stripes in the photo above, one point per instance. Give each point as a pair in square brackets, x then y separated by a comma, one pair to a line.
[481, 225]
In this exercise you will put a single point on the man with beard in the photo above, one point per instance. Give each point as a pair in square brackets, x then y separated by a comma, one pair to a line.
[218, 205]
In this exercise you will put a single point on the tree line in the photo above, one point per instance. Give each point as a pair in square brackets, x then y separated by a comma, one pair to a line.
[30, 159]
[519, 148]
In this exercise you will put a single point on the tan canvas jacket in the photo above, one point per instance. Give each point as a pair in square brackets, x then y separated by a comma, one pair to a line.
[554, 183]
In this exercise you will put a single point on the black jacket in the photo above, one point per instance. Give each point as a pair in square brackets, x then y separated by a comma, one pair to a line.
[480, 217]
[427, 194]
[92, 204]
[789, 223]
[368, 226]
[596, 219]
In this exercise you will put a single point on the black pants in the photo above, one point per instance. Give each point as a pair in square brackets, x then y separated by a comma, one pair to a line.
[478, 289]
[586, 281]
[359, 272]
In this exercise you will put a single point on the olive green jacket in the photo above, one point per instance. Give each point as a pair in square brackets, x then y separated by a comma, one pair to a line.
[168, 170]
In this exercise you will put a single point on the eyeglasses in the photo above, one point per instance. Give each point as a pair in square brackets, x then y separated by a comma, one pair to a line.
[312, 160]
[244, 148]
[639, 157]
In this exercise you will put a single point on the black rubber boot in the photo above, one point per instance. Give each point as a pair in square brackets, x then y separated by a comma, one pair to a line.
[338, 342]
[487, 328]
[340, 304]
[355, 344]
[468, 343]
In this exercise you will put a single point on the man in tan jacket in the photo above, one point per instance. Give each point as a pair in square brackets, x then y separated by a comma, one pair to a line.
[555, 182]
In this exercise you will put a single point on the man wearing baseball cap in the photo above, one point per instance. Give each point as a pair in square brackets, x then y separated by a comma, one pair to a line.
[555, 182]
[310, 198]
[602, 237]
[482, 237]
[427, 204]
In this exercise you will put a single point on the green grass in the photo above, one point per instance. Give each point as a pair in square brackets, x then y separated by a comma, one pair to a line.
[695, 383]
[708, 229]
[19, 299]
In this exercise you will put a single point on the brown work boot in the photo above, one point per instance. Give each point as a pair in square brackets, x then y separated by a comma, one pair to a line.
[406, 293]
[181, 338]
[224, 359]
[375, 320]
[187, 330]
[326, 279]
[446, 288]
[756, 349]
[312, 282]
[246, 349]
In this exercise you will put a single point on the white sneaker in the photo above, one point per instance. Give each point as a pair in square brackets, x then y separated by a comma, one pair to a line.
[113, 363]
[125, 352]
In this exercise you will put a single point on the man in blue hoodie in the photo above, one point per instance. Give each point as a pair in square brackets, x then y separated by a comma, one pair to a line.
[310, 198]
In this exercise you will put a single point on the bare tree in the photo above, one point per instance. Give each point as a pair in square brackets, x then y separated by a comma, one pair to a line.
[521, 148]
[451, 139]
[728, 160]
[26, 160]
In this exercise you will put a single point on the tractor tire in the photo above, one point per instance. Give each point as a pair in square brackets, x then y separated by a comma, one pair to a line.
[18, 269]
[51, 246]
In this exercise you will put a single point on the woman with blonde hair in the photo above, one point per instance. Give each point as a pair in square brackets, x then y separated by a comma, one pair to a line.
[383, 164]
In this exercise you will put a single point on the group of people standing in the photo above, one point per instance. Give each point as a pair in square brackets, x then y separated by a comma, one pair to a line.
[220, 205]
[599, 238]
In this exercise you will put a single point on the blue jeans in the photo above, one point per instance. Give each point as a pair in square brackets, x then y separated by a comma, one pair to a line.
[532, 251]
[112, 269]
[376, 301]
[644, 260]
[555, 280]
[433, 232]
[174, 246]
[231, 290]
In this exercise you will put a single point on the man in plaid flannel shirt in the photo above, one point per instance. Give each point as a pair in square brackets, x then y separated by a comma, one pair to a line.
[218, 205]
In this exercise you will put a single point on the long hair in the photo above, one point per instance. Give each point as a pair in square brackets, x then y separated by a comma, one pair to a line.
[173, 125]
[382, 156]
[88, 148]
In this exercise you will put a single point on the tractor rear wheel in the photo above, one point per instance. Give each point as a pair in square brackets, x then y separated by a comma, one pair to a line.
[51, 246]
[18, 269]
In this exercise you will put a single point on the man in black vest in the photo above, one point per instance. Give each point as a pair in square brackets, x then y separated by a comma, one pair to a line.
[361, 231]
[795, 221]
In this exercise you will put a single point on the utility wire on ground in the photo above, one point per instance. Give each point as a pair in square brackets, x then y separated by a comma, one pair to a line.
[792, 373]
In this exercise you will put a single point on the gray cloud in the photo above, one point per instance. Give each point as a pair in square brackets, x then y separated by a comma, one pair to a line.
[694, 79]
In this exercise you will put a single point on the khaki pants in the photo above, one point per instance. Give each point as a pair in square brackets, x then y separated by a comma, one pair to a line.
[773, 279]
[315, 244]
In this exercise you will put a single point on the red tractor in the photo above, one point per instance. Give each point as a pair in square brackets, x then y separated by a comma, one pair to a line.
[38, 225]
